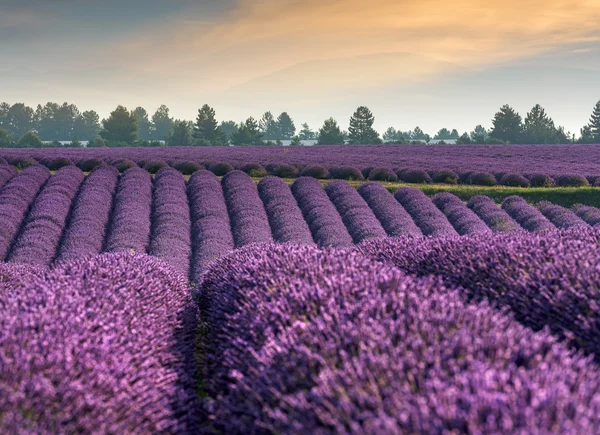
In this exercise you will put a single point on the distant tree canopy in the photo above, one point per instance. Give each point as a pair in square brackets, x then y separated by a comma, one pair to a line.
[120, 127]
[30, 140]
[180, 134]
[144, 124]
[248, 133]
[161, 123]
[361, 129]
[594, 125]
[306, 133]
[330, 133]
[507, 125]
[206, 128]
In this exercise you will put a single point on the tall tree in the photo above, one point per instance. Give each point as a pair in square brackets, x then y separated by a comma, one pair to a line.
[330, 133]
[87, 126]
[418, 134]
[361, 129]
[285, 126]
[30, 140]
[507, 125]
[442, 134]
[4, 108]
[248, 133]
[161, 123]
[229, 128]
[454, 134]
[180, 134]
[45, 124]
[144, 124]
[595, 123]
[390, 135]
[206, 128]
[5, 138]
[538, 127]
[121, 126]
[479, 134]
[268, 126]
[587, 136]
[20, 119]
[306, 133]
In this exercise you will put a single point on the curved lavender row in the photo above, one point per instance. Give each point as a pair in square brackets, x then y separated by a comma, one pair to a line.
[130, 223]
[329, 342]
[249, 221]
[426, 215]
[495, 218]
[285, 218]
[394, 219]
[550, 279]
[15, 199]
[211, 229]
[37, 244]
[526, 215]
[462, 218]
[6, 174]
[171, 227]
[561, 217]
[589, 214]
[91, 212]
[355, 212]
[324, 221]
[99, 346]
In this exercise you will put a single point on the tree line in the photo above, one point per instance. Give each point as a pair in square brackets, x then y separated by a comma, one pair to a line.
[21, 126]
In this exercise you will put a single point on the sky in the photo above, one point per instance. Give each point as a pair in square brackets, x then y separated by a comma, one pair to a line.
[432, 63]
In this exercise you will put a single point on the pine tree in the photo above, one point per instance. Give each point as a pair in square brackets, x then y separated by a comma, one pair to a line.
[306, 133]
[143, 123]
[180, 134]
[507, 125]
[361, 127]
[206, 128]
[161, 123]
[595, 123]
[285, 126]
[268, 126]
[330, 133]
[538, 127]
[121, 126]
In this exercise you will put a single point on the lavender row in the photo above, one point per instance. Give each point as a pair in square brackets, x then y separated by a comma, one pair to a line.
[15, 199]
[591, 215]
[285, 218]
[494, 217]
[38, 242]
[320, 214]
[249, 221]
[462, 218]
[130, 221]
[86, 228]
[6, 174]
[99, 346]
[526, 215]
[355, 346]
[502, 161]
[426, 215]
[355, 212]
[393, 217]
[546, 280]
[171, 227]
[211, 229]
[561, 217]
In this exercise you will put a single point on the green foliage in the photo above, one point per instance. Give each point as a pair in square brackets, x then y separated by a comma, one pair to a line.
[538, 127]
[296, 141]
[229, 128]
[361, 129]
[248, 133]
[268, 127]
[162, 123]
[587, 135]
[479, 135]
[595, 123]
[5, 138]
[180, 134]
[465, 139]
[507, 125]
[144, 125]
[206, 128]
[97, 143]
[30, 140]
[306, 133]
[330, 133]
[121, 126]
[285, 126]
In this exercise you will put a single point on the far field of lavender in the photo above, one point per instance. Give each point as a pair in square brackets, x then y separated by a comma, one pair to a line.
[314, 289]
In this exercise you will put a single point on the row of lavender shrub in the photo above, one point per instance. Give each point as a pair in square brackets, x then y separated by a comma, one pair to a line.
[407, 175]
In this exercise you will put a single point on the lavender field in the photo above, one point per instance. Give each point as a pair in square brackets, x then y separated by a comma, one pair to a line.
[511, 165]
[139, 303]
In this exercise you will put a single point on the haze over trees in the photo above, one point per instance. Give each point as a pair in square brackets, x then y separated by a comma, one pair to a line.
[65, 125]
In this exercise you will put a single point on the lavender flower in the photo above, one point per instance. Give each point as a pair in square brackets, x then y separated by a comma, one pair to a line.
[426, 215]
[494, 217]
[526, 215]
[459, 215]
[561, 217]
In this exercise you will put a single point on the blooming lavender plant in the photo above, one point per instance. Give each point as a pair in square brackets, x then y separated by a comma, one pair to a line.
[526, 215]
[285, 217]
[426, 215]
[561, 217]
[320, 214]
[38, 242]
[355, 212]
[463, 219]
[589, 214]
[494, 216]
[6, 174]
[130, 222]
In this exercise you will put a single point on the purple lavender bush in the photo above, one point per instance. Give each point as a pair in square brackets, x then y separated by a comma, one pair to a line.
[86, 229]
[308, 341]
[494, 217]
[589, 214]
[129, 228]
[102, 345]
[481, 179]
[346, 173]
[418, 176]
[393, 217]
[285, 217]
[355, 212]
[38, 242]
[170, 238]
[249, 221]
[315, 171]
[463, 219]
[320, 214]
[546, 280]
[15, 199]
[572, 181]
[7, 172]
[541, 180]
[445, 177]
[426, 215]
[561, 217]
[382, 174]
[514, 180]
[526, 215]
[211, 228]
